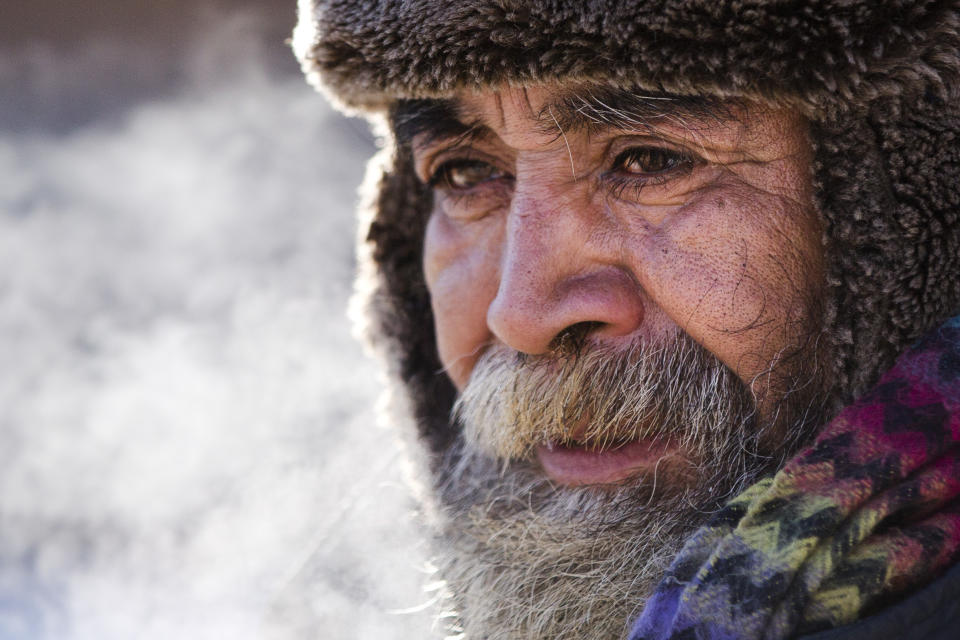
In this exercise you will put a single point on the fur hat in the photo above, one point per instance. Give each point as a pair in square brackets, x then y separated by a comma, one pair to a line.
[879, 82]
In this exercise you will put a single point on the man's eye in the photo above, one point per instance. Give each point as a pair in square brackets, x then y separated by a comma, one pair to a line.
[460, 175]
[651, 161]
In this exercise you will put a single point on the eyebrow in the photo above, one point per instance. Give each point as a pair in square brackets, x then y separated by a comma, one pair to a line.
[595, 108]
[591, 109]
[434, 119]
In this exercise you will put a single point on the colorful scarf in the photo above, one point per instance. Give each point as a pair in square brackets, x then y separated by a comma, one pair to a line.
[867, 513]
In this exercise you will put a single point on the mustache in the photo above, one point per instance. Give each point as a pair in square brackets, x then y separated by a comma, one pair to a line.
[602, 396]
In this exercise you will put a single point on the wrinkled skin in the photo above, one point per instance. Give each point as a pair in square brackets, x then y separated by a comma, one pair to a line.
[627, 238]
[554, 231]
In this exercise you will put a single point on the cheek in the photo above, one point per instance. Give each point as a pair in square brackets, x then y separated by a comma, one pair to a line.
[738, 272]
[460, 267]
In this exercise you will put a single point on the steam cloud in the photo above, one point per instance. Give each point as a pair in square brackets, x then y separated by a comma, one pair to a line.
[186, 432]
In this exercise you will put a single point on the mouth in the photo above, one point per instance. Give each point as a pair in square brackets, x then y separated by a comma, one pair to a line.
[577, 465]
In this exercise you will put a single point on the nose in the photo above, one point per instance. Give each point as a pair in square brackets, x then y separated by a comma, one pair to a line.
[554, 279]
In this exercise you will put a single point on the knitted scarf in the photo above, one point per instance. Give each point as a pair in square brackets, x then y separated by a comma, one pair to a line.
[865, 514]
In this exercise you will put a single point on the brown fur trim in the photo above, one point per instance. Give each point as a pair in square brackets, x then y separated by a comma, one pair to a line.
[818, 55]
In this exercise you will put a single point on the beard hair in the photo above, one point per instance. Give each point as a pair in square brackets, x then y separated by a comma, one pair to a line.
[522, 557]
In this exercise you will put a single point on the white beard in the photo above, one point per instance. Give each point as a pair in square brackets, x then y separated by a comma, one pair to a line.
[578, 565]
[524, 558]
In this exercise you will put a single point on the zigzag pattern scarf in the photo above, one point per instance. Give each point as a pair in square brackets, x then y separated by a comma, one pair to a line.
[867, 513]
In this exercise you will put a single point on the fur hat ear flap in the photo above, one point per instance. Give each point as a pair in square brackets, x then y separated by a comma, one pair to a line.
[391, 294]
[887, 187]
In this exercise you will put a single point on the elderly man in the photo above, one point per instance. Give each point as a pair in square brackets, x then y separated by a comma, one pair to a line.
[668, 286]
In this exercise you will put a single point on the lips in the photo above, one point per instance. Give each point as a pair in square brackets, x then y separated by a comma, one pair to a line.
[579, 465]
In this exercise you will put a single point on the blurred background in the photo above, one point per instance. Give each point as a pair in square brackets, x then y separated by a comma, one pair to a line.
[188, 447]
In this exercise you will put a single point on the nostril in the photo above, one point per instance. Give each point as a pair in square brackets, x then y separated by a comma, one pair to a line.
[571, 340]
[537, 311]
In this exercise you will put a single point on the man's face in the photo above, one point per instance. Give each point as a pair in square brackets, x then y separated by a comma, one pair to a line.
[626, 294]
[696, 221]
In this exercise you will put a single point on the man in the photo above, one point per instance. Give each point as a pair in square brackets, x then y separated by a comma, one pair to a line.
[633, 264]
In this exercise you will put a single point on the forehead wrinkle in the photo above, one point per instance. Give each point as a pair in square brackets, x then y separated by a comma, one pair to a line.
[505, 114]
[526, 97]
[522, 106]
[498, 98]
